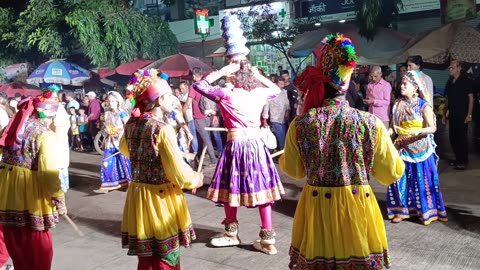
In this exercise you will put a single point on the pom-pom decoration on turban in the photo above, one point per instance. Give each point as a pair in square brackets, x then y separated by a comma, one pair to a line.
[46, 104]
[335, 65]
[145, 87]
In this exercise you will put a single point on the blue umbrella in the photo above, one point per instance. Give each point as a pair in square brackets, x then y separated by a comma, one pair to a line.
[59, 71]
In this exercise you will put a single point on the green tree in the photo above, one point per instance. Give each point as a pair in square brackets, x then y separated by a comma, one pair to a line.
[372, 14]
[262, 26]
[108, 32]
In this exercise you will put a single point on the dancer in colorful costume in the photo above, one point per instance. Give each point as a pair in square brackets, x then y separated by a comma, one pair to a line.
[156, 220]
[337, 223]
[245, 174]
[115, 172]
[29, 179]
[417, 193]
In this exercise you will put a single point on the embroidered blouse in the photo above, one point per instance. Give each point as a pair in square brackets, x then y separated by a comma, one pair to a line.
[155, 158]
[336, 145]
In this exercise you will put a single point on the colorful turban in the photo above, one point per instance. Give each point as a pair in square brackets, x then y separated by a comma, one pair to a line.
[146, 86]
[335, 65]
[47, 103]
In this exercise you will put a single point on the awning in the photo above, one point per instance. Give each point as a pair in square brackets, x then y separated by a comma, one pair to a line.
[201, 49]
[383, 50]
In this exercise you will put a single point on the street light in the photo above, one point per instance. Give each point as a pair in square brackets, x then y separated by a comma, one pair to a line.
[342, 21]
[318, 24]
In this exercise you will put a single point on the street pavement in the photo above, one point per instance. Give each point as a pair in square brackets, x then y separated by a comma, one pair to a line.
[451, 245]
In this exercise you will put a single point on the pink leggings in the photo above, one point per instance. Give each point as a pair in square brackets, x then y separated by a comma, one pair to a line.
[3, 249]
[265, 214]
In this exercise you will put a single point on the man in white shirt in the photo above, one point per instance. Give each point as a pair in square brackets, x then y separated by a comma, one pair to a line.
[71, 101]
[278, 111]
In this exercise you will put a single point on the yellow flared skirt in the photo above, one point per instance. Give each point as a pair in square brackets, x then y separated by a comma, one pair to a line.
[24, 201]
[156, 221]
[337, 227]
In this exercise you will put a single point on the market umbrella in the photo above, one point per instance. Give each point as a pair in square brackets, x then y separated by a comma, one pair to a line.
[124, 69]
[19, 87]
[179, 65]
[382, 50]
[59, 71]
[451, 41]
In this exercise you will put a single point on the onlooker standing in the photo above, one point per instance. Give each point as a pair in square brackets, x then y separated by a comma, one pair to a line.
[398, 83]
[278, 111]
[352, 96]
[415, 63]
[75, 130]
[82, 127]
[94, 111]
[71, 101]
[460, 106]
[188, 114]
[292, 93]
[378, 95]
[201, 121]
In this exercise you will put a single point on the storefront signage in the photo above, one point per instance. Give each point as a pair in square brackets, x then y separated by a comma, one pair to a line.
[410, 6]
[453, 10]
[316, 8]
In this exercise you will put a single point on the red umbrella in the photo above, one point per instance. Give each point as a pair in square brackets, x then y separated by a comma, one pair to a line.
[19, 87]
[179, 65]
[124, 69]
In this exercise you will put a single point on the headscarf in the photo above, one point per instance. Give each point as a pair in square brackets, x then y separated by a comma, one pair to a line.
[42, 106]
[118, 97]
[335, 65]
[415, 78]
[146, 86]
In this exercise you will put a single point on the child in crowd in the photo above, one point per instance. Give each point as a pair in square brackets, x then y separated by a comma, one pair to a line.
[74, 130]
[82, 126]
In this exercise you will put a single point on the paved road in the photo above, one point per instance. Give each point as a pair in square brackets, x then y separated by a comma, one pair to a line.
[451, 245]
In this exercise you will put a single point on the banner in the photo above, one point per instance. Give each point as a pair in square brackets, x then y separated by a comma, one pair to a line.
[15, 70]
[453, 10]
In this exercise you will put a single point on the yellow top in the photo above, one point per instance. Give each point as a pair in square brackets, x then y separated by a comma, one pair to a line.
[388, 167]
[29, 194]
[171, 165]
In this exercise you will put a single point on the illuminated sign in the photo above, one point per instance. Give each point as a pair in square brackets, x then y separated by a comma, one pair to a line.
[202, 24]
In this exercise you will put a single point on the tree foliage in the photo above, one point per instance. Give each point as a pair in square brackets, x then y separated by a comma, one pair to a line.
[372, 14]
[262, 26]
[108, 32]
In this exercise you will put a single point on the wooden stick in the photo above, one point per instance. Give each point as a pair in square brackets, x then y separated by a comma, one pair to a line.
[74, 226]
[202, 157]
[215, 129]
[111, 156]
[276, 154]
